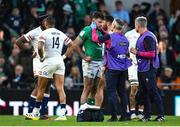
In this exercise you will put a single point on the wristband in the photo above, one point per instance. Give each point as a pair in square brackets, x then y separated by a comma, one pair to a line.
[64, 57]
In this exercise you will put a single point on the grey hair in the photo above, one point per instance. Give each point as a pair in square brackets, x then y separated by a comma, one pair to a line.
[119, 24]
[142, 21]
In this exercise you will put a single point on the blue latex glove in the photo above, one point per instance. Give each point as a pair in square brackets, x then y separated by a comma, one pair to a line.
[93, 25]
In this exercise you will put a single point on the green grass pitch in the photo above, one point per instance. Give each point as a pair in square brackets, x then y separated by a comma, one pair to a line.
[6, 120]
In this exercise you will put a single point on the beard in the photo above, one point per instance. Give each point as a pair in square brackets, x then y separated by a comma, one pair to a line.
[137, 30]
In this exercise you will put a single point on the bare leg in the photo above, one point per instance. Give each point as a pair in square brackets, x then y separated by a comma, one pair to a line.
[59, 83]
[133, 92]
[42, 84]
[100, 92]
[86, 89]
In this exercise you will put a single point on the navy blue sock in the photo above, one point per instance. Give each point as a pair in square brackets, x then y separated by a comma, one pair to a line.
[32, 101]
[133, 111]
[63, 106]
[38, 104]
[44, 107]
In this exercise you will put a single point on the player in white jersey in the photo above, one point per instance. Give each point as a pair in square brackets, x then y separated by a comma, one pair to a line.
[32, 38]
[132, 37]
[50, 44]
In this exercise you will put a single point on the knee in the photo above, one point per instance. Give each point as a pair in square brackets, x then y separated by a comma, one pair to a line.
[132, 94]
[101, 85]
[60, 90]
[111, 93]
[87, 88]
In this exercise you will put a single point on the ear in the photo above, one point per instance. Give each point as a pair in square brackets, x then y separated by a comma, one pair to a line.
[93, 20]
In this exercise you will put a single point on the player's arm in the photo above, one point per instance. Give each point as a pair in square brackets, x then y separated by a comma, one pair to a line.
[25, 39]
[68, 42]
[100, 39]
[20, 42]
[41, 42]
[68, 51]
[76, 47]
[149, 46]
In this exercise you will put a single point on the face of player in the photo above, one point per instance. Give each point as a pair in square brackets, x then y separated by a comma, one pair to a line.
[136, 27]
[99, 22]
[44, 23]
[113, 26]
[109, 24]
[104, 25]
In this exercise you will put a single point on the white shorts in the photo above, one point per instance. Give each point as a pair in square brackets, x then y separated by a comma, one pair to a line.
[36, 66]
[92, 69]
[51, 66]
[133, 74]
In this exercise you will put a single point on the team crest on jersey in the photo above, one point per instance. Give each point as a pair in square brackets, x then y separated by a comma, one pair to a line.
[45, 73]
[122, 43]
[82, 33]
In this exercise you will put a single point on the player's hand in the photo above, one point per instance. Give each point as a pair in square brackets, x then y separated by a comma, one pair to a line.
[42, 59]
[93, 25]
[64, 57]
[88, 59]
[103, 69]
[34, 54]
[133, 51]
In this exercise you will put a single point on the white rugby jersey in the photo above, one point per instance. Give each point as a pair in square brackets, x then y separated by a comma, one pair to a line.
[132, 37]
[32, 37]
[54, 41]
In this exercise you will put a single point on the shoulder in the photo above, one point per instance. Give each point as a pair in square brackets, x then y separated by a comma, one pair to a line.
[36, 30]
[86, 30]
[133, 31]
[125, 38]
[48, 30]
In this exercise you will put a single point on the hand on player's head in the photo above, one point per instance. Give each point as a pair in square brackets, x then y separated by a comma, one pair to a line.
[93, 25]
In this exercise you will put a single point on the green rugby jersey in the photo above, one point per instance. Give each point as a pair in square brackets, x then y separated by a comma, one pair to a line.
[92, 49]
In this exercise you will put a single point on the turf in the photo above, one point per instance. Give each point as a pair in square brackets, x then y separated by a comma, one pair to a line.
[20, 121]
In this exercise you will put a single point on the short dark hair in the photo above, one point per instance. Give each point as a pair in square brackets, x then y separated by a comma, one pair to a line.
[118, 2]
[136, 5]
[156, 4]
[42, 17]
[108, 18]
[97, 15]
[51, 20]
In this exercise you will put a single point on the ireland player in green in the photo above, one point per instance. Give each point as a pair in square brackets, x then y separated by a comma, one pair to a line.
[92, 63]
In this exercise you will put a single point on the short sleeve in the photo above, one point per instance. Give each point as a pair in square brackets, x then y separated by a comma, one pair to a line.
[30, 35]
[149, 43]
[84, 34]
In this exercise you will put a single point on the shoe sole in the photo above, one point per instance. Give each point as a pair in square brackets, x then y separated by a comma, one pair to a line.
[30, 118]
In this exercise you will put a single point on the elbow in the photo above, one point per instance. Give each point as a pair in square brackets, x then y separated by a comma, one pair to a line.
[39, 49]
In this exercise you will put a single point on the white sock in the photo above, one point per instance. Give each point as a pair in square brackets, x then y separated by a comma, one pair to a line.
[62, 112]
[36, 110]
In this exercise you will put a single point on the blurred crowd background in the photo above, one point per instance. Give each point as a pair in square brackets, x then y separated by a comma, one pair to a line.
[17, 17]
